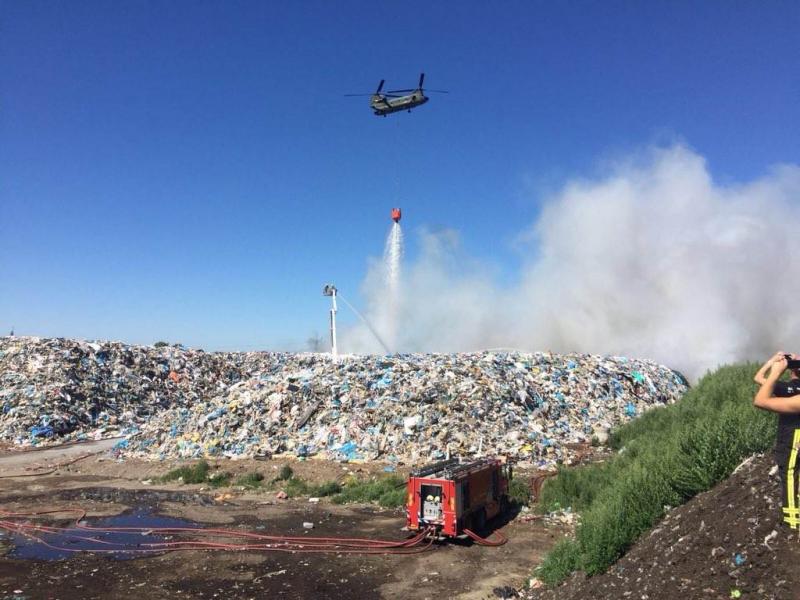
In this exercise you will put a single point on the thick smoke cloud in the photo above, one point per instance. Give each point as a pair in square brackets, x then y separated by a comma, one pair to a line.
[653, 259]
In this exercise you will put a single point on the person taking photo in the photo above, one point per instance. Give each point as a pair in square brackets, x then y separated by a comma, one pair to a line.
[782, 397]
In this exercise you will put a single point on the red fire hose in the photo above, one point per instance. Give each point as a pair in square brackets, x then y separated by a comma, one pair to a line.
[208, 539]
[501, 539]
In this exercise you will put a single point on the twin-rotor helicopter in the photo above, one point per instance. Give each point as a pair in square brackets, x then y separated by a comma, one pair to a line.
[385, 103]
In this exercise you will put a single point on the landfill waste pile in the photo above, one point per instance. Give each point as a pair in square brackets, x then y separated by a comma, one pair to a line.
[174, 402]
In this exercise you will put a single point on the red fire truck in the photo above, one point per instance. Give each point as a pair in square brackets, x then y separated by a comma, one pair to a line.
[452, 496]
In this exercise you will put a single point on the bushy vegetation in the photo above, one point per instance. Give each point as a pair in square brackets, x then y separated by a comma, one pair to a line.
[325, 489]
[389, 491]
[295, 486]
[196, 473]
[664, 458]
[519, 491]
[285, 473]
[251, 481]
[560, 562]
[199, 472]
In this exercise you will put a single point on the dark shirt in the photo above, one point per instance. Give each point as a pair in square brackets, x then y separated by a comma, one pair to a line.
[787, 422]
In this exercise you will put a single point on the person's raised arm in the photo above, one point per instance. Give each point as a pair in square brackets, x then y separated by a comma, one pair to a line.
[765, 397]
[761, 376]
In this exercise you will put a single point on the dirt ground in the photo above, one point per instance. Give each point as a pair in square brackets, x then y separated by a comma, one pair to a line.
[726, 543]
[104, 486]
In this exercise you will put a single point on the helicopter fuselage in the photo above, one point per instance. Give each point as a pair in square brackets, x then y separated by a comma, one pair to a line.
[383, 105]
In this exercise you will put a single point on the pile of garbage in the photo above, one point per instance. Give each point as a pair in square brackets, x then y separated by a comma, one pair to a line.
[174, 402]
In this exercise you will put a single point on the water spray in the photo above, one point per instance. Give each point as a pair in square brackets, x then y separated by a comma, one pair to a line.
[367, 323]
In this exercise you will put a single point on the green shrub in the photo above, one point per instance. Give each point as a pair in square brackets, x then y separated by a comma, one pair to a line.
[387, 491]
[295, 487]
[665, 457]
[393, 498]
[574, 487]
[285, 473]
[196, 473]
[218, 480]
[250, 480]
[328, 488]
[621, 513]
[199, 472]
[519, 491]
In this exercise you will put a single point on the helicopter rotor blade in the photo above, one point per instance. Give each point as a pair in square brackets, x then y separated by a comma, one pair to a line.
[349, 95]
[421, 79]
[380, 86]
[400, 91]
[438, 91]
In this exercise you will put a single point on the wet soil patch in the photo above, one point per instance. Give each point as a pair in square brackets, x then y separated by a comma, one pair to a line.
[116, 542]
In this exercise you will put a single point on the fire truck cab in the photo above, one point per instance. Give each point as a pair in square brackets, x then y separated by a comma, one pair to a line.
[451, 496]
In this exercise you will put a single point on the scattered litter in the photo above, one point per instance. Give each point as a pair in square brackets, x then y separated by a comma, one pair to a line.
[771, 536]
[308, 525]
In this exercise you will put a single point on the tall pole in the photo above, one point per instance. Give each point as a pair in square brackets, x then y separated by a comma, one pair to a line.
[334, 351]
[330, 290]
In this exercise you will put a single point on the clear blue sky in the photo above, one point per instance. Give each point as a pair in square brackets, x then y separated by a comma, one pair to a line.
[191, 170]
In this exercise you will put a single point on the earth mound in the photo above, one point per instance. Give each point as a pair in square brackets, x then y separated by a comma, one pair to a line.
[729, 542]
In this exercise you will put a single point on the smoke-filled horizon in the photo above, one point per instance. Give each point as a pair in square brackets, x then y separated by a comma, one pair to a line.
[653, 259]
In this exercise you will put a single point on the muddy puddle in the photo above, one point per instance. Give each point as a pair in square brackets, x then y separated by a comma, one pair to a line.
[58, 543]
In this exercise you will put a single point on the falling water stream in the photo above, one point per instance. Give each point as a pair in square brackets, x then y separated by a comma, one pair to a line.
[392, 259]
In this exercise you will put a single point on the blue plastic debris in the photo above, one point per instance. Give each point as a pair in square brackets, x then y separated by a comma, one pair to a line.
[42, 431]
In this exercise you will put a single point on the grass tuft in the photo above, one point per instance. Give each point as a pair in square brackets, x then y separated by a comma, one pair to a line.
[389, 491]
[196, 473]
[286, 473]
[326, 489]
[252, 480]
[199, 472]
[218, 480]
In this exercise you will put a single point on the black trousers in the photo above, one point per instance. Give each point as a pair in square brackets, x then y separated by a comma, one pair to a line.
[782, 460]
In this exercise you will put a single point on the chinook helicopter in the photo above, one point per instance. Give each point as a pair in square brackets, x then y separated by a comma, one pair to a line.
[384, 103]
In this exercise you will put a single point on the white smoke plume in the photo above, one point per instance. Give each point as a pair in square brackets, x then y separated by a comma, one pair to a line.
[651, 260]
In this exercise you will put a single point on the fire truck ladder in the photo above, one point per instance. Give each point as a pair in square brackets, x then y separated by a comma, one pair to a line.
[450, 468]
